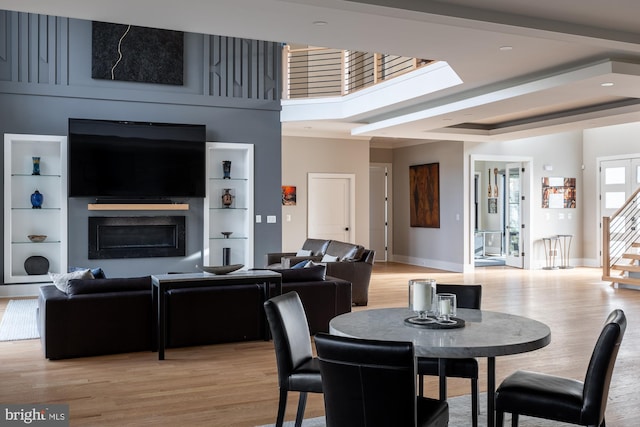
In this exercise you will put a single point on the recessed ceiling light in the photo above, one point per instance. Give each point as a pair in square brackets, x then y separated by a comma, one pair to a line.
[505, 48]
[308, 127]
[320, 23]
[606, 84]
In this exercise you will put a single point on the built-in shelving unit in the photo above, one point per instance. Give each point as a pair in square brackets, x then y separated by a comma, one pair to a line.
[21, 219]
[236, 218]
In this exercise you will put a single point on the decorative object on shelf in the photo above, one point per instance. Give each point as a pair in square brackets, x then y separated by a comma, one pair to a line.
[36, 166]
[222, 269]
[226, 256]
[226, 169]
[227, 197]
[226, 234]
[36, 200]
[37, 238]
[36, 265]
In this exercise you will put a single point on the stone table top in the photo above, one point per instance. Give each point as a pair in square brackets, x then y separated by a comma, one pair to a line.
[485, 334]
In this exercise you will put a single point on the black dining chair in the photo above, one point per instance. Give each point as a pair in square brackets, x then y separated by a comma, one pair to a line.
[467, 296]
[369, 383]
[298, 370]
[564, 399]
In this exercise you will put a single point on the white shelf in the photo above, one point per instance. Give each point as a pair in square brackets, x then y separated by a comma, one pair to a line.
[20, 219]
[238, 218]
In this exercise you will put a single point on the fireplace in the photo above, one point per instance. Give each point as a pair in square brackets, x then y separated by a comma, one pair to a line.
[136, 237]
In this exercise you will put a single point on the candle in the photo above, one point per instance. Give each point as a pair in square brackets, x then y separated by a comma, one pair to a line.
[445, 307]
[421, 296]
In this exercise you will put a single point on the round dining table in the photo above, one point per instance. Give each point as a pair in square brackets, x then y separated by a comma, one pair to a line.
[484, 334]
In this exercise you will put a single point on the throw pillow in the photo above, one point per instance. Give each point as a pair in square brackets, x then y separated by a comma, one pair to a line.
[303, 252]
[302, 264]
[97, 272]
[329, 258]
[309, 274]
[61, 280]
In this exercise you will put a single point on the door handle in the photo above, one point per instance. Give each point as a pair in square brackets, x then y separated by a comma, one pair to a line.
[346, 229]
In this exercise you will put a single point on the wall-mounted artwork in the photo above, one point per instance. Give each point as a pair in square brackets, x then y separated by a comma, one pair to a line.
[558, 193]
[288, 195]
[493, 205]
[424, 195]
[137, 54]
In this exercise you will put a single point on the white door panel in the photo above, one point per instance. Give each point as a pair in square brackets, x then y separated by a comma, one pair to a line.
[331, 206]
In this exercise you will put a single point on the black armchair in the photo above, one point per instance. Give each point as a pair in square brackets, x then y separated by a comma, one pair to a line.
[373, 383]
[298, 370]
[564, 399]
[467, 296]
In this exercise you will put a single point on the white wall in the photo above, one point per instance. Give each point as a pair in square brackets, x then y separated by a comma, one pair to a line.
[564, 153]
[301, 156]
[599, 144]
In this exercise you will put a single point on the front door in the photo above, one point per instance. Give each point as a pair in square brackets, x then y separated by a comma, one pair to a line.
[513, 216]
[331, 208]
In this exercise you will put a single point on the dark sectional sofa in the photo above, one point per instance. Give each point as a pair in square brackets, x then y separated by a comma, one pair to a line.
[353, 263]
[106, 316]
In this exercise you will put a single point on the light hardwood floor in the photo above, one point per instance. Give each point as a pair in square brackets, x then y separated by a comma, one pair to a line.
[236, 384]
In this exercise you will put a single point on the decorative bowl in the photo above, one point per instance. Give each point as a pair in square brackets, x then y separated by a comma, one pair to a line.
[37, 238]
[222, 269]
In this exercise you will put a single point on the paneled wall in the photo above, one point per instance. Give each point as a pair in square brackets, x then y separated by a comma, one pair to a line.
[231, 85]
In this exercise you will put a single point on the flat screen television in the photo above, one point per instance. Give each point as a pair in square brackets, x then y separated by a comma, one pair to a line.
[136, 160]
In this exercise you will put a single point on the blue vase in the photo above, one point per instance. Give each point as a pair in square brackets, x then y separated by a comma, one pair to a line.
[36, 200]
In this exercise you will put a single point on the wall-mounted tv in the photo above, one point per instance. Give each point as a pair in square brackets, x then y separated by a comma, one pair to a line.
[136, 160]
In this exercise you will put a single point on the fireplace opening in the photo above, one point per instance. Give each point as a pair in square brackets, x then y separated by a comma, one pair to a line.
[136, 237]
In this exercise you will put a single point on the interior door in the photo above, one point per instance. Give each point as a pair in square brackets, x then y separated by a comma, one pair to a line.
[331, 208]
[379, 210]
[513, 215]
[618, 180]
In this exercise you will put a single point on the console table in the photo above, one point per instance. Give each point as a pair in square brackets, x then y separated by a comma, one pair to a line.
[164, 282]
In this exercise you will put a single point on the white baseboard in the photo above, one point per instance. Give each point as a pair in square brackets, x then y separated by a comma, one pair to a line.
[21, 290]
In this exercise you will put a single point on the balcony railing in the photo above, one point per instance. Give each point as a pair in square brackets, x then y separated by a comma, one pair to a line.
[316, 72]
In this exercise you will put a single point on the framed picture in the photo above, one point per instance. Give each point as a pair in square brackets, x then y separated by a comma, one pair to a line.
[288, 195]
[493, 205]
[558, 193]
[424, 195]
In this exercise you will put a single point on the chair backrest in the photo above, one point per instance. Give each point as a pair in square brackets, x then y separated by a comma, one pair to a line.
[598, 377]
[467, 296]
[290, 333]
[366, 382]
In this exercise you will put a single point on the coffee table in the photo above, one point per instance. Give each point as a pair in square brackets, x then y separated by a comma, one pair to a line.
[485, 334]
[164, 282]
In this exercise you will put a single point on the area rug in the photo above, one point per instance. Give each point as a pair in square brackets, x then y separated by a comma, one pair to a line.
[19, 320]
[459, 416]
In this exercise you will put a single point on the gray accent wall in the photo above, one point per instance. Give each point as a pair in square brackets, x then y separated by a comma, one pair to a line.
[230, 85]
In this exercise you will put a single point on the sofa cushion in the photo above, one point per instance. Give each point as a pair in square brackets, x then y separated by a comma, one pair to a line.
[309, 274]
[318, 247]
[61, 280]
[97, 286]
[329, 258]
[345, 251]
[303, 252]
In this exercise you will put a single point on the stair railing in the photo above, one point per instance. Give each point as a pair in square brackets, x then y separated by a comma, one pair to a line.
[619, 233]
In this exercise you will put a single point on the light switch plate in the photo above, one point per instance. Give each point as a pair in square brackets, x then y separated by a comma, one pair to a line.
[271, 219]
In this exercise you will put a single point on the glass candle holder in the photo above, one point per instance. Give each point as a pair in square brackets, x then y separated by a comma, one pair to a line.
[421, 296]
[446, 307]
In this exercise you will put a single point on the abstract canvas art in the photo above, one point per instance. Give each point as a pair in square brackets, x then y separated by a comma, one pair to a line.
[424, 195]
[137, 54]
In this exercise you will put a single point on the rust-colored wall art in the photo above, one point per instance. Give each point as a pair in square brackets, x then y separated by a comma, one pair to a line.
[288, 195]
[424, 195]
